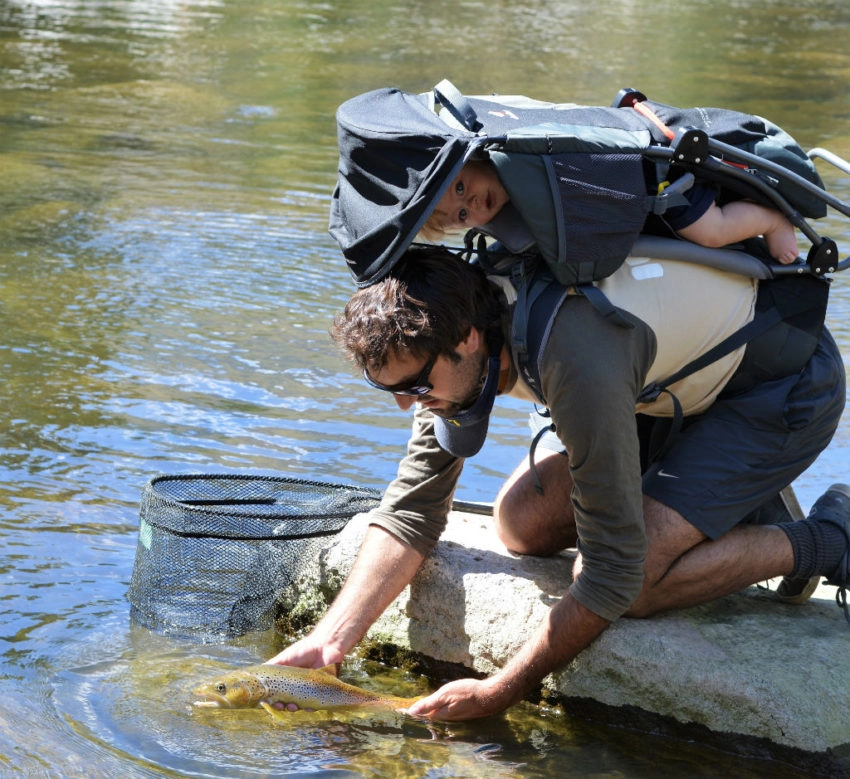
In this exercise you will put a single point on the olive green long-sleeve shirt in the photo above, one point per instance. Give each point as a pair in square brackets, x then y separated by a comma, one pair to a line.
[592, 372]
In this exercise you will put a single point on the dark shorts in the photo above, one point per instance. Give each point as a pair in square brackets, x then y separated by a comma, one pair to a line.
[700, 198]
[736, 457]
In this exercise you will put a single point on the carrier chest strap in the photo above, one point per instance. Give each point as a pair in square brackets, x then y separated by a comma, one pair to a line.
[538, 301]
[600, 301]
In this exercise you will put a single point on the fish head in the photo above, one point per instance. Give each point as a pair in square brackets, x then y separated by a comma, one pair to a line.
[236, 690]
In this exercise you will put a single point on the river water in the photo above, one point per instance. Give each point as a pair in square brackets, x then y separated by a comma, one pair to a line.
[166, 285]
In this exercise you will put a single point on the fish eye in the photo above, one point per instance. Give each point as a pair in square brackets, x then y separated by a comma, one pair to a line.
[462, 215]
[459, 189]
[221, 688]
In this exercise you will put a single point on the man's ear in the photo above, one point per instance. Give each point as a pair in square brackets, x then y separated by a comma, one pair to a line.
[471, 343]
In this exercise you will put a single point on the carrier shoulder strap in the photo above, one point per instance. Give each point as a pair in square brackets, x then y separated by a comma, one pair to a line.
[755, 327]
[537, 305]
[761, 323]
[539, 300]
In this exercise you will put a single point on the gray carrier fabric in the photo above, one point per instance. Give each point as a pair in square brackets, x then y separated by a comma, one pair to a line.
[397, 157]
[600, 165]
[214, 549]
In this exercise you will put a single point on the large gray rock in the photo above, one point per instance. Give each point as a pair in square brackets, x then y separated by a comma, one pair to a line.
[746, 664]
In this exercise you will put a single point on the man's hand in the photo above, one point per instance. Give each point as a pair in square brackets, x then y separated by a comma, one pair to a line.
[464, 699]
[303, 654]
[306, 653]
[384, 566]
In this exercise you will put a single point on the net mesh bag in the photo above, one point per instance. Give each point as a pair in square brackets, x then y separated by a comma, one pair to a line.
[214, 549]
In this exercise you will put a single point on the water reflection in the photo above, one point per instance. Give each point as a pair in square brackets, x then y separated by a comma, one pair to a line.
[166, 284]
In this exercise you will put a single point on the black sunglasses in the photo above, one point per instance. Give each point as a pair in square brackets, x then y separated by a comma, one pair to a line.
[416, 387]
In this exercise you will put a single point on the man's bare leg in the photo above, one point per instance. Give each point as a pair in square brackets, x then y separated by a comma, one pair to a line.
[683, 567]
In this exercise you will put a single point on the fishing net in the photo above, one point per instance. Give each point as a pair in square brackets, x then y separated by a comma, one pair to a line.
[214, 549]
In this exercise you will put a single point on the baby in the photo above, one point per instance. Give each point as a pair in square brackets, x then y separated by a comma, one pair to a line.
[476, 195]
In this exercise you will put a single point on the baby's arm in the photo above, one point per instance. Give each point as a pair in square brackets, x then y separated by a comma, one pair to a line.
[722, 225]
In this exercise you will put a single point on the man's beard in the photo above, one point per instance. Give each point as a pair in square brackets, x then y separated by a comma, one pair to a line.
[476, 373]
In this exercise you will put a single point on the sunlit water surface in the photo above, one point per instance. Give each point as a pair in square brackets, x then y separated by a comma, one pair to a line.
[166, 285]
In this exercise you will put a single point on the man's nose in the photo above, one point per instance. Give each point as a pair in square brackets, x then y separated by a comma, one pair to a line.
[404, 402]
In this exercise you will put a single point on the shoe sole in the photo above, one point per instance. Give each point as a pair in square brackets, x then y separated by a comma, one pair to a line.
[797, 591]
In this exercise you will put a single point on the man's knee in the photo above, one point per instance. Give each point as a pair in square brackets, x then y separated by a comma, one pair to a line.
[670, 537]
[534, 523]
[644, 607]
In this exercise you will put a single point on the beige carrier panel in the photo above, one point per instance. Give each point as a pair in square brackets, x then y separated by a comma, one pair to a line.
[690, 308]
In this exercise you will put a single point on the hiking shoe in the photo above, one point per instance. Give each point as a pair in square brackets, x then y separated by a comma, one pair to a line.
[834, 507]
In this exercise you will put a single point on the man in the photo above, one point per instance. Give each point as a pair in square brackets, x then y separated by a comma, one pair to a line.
[653, 534]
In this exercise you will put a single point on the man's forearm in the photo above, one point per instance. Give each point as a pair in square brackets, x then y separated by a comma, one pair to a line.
[566, 630]
[383, 568]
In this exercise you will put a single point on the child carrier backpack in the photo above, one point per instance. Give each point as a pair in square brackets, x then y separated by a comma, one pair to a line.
[606, 169]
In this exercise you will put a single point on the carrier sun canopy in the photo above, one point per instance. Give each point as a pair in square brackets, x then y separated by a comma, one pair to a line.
[397, 158]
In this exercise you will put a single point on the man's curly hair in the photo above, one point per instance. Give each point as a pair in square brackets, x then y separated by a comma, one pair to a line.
[425, 307]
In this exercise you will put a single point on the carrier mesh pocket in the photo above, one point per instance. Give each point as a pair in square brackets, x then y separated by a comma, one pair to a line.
[603, 205]
[214, 549]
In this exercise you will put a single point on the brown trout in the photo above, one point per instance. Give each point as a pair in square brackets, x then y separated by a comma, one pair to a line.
[307, 688]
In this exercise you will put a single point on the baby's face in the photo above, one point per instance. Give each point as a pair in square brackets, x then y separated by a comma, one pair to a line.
[473, 198]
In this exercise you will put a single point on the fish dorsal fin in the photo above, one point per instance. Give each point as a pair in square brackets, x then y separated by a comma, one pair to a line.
[332, 669]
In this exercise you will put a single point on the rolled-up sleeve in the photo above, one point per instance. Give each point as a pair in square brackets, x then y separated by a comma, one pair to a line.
[416, 503]
[592, 371]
